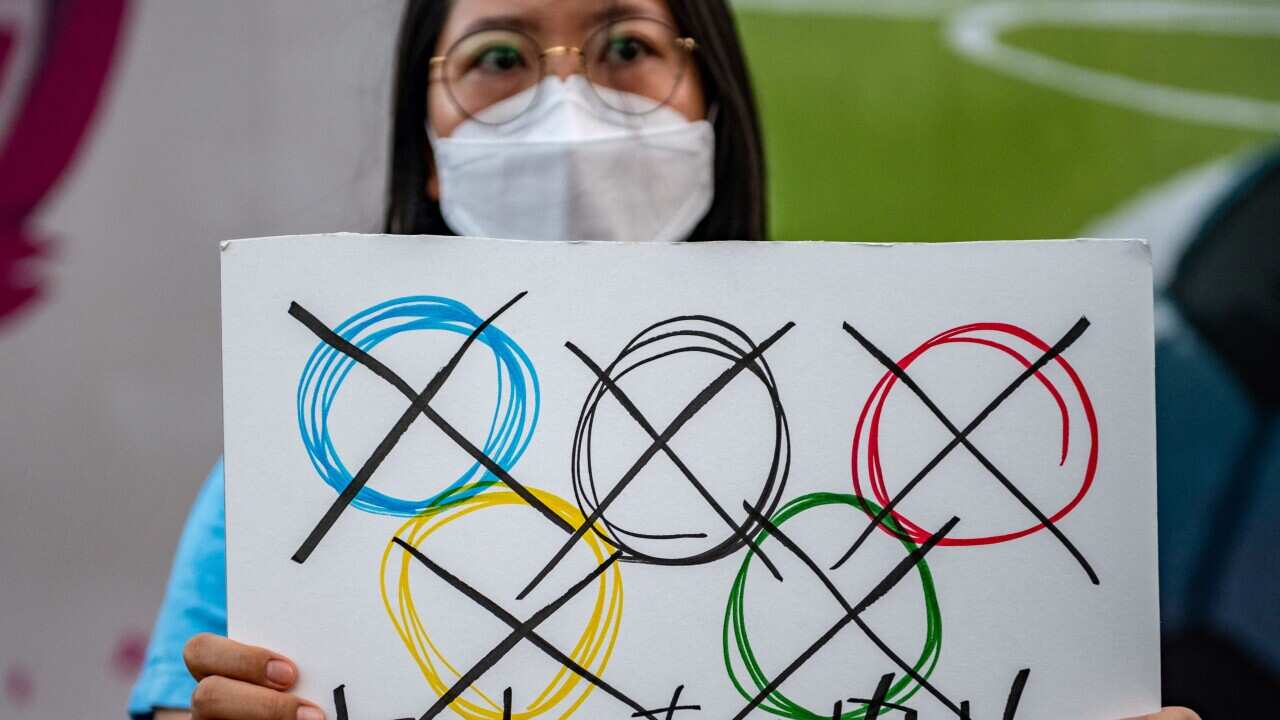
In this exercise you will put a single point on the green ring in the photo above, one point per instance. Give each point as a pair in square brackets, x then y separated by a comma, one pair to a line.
[735, 619]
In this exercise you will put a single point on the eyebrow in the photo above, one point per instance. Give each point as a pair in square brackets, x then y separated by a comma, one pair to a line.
[612, 11]
[618, 9]
[501, 22]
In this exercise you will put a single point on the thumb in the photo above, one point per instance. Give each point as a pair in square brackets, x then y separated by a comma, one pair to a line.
[1173, 713]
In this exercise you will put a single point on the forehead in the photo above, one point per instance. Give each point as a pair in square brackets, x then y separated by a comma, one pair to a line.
[550, 21]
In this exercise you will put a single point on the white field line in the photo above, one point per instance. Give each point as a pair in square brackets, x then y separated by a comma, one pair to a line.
[974, 33]
[910, 9]
[1168, 214]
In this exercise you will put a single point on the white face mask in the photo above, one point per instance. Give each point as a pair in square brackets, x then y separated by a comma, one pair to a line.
[571, 168]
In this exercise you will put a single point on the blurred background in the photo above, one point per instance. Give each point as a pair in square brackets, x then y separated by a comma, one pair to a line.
[135, 134]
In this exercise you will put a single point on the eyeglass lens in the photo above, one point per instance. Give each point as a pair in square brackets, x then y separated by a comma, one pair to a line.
[634, 64]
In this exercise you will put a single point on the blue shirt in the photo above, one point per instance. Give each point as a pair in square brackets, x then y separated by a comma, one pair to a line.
[1204, 423]
[195, 601]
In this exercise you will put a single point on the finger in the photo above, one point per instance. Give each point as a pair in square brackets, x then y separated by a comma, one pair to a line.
[1171, 713]
[208, 655]
[220, 698]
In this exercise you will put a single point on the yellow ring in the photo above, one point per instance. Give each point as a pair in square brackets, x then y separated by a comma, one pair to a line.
[592, 650]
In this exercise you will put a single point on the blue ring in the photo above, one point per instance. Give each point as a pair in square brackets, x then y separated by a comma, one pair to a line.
[510, 428]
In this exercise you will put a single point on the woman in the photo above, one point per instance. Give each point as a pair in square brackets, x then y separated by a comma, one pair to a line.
[629, 120]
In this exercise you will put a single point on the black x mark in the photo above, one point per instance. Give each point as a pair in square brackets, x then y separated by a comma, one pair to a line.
[420, 405]
[520, 631]
[743, 532]
[961, 437]
[660, 442]
[851, 612]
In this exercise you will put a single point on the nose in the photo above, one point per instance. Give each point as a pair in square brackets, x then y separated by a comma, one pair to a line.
[563, 61]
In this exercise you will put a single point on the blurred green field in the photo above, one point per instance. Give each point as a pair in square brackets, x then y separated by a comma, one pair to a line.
[877, 131]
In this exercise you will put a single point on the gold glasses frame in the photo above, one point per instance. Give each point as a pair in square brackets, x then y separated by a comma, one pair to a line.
[685, 44]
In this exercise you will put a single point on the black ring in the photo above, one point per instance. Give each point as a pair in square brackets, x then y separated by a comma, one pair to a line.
[728, 337]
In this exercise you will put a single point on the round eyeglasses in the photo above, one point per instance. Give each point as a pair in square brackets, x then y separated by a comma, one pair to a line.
[633, 64]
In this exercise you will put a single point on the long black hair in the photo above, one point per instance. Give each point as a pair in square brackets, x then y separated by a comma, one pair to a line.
[738, 211]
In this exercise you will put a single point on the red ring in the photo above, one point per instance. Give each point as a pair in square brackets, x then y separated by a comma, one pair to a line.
[880, 393]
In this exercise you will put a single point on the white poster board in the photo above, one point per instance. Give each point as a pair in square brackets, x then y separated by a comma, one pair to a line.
[478, 478]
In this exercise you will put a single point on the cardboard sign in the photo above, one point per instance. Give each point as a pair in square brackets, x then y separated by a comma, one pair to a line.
[487, 479]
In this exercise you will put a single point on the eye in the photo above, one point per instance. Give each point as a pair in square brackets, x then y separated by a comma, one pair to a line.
[499, 59]
[625, 49]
